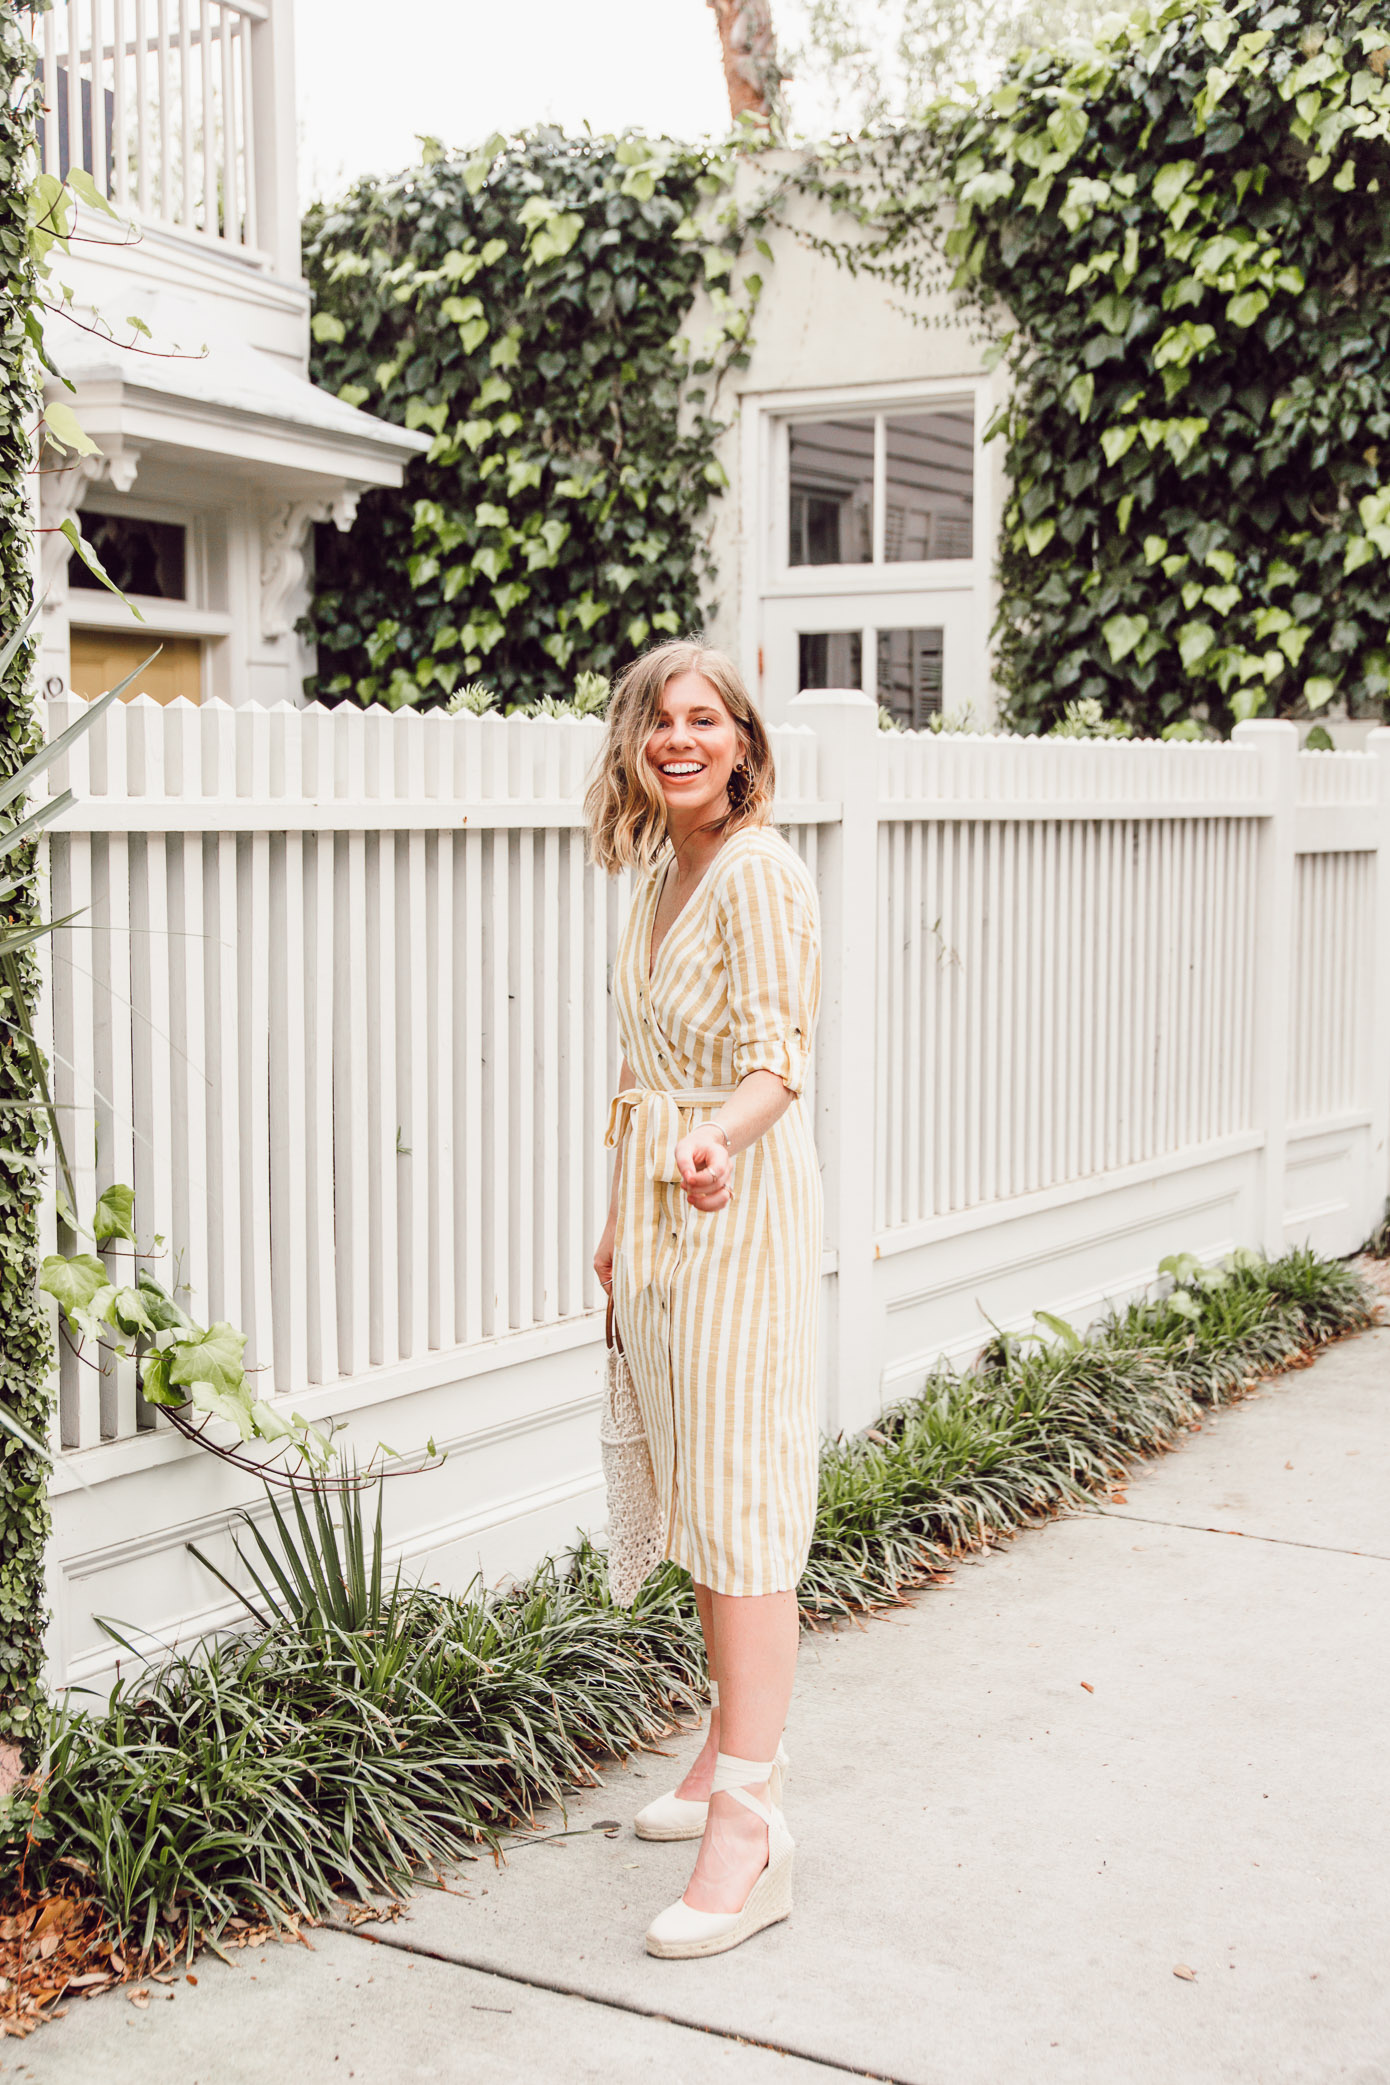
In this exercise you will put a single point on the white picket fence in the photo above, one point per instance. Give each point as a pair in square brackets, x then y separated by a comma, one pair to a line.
[337, 1006]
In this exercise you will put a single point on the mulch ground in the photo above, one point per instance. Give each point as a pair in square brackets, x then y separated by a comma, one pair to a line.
[57, 1948]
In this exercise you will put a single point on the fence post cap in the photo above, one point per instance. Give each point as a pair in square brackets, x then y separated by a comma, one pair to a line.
[1273, 728]
[1378, 741]
[833, 698]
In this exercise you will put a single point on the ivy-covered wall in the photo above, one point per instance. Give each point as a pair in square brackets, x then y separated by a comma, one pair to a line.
[526, 307]
[24, 1346]
[1181, 232]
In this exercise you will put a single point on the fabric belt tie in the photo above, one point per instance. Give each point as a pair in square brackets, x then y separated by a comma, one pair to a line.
[650, 1121]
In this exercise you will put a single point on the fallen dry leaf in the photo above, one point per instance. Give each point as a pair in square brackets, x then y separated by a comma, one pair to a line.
[140, 1998]
[190, 1978]
[1087, 1685]
[1189, 1976]
[1288, 1465]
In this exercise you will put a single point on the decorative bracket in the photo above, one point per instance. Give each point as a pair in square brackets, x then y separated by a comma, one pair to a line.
[62, 496]
[282, 557]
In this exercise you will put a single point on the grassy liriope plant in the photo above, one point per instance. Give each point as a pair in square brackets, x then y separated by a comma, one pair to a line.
[362, 1729]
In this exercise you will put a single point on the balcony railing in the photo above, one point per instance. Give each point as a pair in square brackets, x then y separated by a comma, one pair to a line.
[157, 99]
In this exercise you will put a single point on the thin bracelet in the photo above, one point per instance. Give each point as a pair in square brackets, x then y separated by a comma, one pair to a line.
[723, 1133]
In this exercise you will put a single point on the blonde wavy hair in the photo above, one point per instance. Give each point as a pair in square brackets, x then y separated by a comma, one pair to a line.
[625, 809]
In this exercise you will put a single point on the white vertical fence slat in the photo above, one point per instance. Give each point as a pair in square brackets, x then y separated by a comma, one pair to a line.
[340, 1003]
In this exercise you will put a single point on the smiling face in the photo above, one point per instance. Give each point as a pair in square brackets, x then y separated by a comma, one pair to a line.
[693, 750]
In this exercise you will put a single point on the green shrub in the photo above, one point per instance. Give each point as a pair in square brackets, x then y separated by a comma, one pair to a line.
[524, 307]
[1185, 226]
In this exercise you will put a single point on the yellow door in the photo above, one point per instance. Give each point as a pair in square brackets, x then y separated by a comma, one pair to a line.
[100, 658]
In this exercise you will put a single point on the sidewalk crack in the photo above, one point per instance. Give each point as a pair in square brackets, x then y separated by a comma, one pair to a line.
[621, 2005]
[1197, 1527]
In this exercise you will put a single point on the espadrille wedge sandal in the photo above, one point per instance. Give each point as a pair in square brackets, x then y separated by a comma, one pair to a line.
[681, 1933]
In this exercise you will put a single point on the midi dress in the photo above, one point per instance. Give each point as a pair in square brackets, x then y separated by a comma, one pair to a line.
[717, 1309]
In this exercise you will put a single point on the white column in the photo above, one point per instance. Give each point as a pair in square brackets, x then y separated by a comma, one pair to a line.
[1378, 745]
[1276, 742]
[846, 724]
[275, 139]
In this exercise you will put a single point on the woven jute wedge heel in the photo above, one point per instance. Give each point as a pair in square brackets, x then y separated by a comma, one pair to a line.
[681, 1933]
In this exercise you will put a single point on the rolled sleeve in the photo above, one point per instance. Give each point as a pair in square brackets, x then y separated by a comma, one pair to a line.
[771, 945]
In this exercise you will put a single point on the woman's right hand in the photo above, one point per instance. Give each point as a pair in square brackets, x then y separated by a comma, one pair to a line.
[603, 1255]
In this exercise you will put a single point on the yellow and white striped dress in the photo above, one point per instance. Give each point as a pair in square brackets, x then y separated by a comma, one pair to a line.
[717, 1309]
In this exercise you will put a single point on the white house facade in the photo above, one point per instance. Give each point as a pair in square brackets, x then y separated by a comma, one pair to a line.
[216, 452]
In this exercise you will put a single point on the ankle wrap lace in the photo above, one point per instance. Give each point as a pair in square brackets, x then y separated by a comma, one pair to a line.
[730, 1772]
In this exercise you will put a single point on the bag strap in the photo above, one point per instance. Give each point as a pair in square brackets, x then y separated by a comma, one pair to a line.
[612, 1337]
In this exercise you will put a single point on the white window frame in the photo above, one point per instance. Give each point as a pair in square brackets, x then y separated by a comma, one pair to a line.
[91, 608]
[765, 466]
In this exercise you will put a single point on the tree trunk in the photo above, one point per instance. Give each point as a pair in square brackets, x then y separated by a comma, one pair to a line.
[750, 57]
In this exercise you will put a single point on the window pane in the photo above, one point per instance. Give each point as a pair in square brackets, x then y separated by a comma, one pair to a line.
[830, 659]
[909, 674]
[832, 492]
[143, 557]
[930, 495]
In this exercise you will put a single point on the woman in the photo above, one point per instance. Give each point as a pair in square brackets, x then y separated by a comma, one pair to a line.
[712, 1247]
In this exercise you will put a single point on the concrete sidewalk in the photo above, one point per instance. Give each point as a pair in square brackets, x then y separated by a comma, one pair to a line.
[1150, 1737]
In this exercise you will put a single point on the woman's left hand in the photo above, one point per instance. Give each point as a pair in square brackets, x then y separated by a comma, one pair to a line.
[703, 1161]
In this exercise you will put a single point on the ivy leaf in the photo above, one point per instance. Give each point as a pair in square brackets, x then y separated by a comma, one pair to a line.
[1113, 312]
[1067, 129]
[1122, 633]
[553, 240]
[127, 1310]
[73, 1280]
[114, 1216]
[324, 326]
[1170, 181]
[1195, 640]
[205, 1396]
[1080, 393]
[66, 429]
[214, 1358]
[1318, 693]
[1244, 309]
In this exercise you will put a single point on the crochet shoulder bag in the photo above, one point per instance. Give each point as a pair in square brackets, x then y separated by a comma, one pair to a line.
[636, 1524]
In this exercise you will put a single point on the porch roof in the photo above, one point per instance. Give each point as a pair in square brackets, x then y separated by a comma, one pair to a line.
[253, 414]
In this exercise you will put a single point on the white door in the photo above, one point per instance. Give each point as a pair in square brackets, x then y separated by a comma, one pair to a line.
[915, 652]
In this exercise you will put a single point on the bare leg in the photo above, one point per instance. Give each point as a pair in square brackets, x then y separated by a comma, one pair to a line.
[695, 1787]
[755, 1642]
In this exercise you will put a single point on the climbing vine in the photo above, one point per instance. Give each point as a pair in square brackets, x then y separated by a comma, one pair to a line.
[525, 307]
[24, 1344]
[1179, 235]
